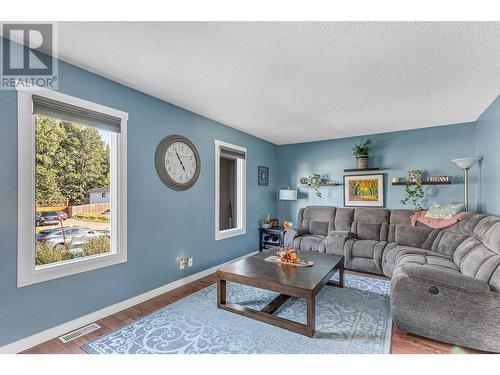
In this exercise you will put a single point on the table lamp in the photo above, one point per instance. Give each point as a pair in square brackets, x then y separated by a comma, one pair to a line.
[286, 195]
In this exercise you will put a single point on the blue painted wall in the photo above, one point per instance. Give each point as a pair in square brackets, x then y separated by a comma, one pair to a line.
[162, 224]
[429, 150]
[488, 145]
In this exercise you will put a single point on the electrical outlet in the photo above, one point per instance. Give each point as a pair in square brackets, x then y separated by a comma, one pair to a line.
[183, 263]
[190, 262]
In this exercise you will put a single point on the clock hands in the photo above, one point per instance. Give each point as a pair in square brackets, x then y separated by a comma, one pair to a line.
[178, 157]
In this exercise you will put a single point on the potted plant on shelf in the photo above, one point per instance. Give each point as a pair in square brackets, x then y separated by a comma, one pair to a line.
[361, 151]
[266, 222]
[314, 181]
[414, 191]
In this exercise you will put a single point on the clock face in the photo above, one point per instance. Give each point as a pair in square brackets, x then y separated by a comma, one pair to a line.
[180, 162]
[177, 162]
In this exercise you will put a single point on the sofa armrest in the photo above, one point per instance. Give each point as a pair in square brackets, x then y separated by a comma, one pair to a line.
[298, 231]
[292, 233]
[335, 241]
[444, 278]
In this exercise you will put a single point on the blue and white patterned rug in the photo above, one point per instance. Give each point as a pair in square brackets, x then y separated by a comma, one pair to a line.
[355, 319]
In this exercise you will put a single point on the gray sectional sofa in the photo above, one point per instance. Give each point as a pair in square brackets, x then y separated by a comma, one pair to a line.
[445, 283]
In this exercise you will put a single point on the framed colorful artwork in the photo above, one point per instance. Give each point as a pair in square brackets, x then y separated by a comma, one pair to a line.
[364, 190]
[263, 176]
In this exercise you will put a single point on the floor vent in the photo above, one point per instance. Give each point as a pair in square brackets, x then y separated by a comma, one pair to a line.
[79, 332]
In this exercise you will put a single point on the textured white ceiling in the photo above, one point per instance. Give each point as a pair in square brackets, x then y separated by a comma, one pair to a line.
[290, 82]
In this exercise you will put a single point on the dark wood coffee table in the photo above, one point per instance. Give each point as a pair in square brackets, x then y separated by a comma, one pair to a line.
[288, 280]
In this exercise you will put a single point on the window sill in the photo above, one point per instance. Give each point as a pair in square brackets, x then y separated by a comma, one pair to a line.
[221, 235]
[67, 268]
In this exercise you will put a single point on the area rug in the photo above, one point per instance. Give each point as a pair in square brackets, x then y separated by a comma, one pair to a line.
[354, 319]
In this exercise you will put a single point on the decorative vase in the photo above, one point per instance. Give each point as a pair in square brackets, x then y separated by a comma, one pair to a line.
[361, 162]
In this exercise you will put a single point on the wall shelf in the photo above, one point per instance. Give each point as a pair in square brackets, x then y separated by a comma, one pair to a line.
[402, 183]
[361, 169]
[323, 184]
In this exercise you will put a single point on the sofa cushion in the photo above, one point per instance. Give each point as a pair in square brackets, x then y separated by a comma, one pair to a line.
[310, 214]
[372, 215]
[392, 253]
[367, 231]
[371, 223]
[443, 211]
[311, 243]
[363, 248]
[408, 235]
[363, 265]
[448, 240]
[430, 260]
[319, 227]
[343, 219]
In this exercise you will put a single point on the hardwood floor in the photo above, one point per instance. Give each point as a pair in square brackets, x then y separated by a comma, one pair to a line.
[402, 343]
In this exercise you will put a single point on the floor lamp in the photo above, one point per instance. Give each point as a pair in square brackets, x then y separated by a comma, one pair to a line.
[286, 195]
[466, 164]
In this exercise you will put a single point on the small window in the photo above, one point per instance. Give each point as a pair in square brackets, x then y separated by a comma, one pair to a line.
[230, 190]
[68, 147]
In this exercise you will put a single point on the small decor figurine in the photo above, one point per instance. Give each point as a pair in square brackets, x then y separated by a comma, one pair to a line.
[413, 189]
[274, 223]
[288, 255]
[361, 151]
[266, 222]
[314, 181]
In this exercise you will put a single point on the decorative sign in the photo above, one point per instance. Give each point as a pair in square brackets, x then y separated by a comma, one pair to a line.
[438, 179]
[263, 176]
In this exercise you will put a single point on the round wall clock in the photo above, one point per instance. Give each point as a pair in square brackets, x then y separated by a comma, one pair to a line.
[177, 162]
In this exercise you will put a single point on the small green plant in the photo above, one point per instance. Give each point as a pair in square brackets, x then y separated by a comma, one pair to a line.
[414, 191]
[96, 245]
[92, 217]
[47, 253]
[362, 149]
[314, 181]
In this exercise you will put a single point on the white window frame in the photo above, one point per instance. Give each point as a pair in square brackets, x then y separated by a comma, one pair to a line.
[27, 272]
[241, 220]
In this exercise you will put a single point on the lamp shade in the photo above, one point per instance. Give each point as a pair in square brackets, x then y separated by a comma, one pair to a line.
[288, 195]
[465, 163]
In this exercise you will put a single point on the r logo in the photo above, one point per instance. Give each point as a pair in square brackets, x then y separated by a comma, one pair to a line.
[33, 55]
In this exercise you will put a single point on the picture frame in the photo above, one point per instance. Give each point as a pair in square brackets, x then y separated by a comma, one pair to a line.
[263, 176]
[366, 190]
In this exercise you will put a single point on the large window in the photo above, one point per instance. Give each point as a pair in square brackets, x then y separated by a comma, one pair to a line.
[230, 190]
[72, 186]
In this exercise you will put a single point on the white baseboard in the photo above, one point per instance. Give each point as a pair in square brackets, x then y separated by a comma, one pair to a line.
[49, 334]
